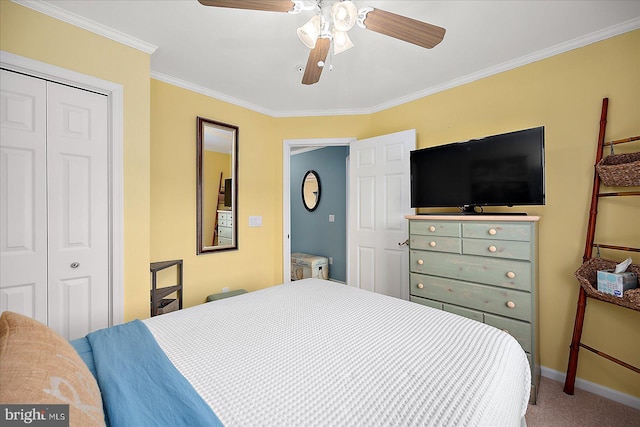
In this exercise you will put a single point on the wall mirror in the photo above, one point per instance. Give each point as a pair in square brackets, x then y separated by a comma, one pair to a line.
[216, 186]
[311, 190]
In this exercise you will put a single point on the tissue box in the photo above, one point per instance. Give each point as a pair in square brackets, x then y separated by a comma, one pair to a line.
[616, 283]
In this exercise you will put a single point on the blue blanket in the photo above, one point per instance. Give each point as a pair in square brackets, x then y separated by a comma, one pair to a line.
[140, 386]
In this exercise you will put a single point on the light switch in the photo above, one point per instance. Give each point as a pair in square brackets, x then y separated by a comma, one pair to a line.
[332, 218]
[255, 221]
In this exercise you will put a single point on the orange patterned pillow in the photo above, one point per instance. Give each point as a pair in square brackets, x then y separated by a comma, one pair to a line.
[38, 366]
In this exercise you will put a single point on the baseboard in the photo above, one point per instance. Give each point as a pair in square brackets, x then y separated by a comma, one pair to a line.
[594, 388]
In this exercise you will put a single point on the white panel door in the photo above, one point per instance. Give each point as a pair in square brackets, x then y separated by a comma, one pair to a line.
[54, 223]
[77, 158]
[380, 197]
[23, 208]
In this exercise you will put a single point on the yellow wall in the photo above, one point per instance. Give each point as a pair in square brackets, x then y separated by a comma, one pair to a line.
[258, 261]
[39, 37]
[173, 192]
[562, 93]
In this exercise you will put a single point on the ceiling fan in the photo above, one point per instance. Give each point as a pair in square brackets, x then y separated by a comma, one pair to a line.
[331, 24]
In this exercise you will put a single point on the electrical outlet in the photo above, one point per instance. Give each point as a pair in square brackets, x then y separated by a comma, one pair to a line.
[225, 289]
[332, 218]
[255, 221]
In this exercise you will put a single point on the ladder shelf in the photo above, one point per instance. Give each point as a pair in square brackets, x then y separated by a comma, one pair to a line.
[583, 294]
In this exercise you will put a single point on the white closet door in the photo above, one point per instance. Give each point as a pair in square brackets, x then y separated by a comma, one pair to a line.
[77, 159]
[23, 206]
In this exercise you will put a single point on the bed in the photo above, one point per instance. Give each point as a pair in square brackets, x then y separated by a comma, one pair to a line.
[305, 353]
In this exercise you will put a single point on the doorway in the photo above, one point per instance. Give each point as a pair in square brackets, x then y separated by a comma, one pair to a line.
[289, 147]
[377, 200]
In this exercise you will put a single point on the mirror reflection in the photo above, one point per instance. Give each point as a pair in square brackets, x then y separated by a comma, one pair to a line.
[311, 190]
[217, 145]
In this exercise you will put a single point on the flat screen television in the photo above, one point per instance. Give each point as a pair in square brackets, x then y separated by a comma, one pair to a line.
[498, 170]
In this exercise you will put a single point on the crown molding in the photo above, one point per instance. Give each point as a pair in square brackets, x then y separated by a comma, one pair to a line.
[87, 24]
[576, 43]
[245, 104]
[71, 18]
[208, 92]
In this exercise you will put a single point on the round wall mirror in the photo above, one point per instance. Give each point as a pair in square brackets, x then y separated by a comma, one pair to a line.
[311, 190]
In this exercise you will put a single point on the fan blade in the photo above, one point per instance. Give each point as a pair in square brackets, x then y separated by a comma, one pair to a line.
[403, 28]
[319, 53]
[266, 5]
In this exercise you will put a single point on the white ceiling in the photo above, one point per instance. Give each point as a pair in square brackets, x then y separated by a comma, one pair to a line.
[250, 58]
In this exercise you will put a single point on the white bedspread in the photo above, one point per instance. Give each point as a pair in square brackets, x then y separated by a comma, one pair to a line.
[317, 353]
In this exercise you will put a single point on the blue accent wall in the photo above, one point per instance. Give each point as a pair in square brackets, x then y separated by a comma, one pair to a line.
[311, 232]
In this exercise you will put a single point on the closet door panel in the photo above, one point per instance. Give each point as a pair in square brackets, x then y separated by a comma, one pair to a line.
[23, 210]
[78, 211]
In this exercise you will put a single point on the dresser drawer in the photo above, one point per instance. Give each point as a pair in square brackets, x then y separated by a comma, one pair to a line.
[497, 248]
[465, 312]
[436, 243]
[427, 302]
[497, 231]
[505, 302]
[435, 228]
[225, 232]
[499, 272]
[521, 331]
[223, 241]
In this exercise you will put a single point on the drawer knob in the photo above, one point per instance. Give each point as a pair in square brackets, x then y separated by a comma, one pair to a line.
[511, 304]
[492, 231]
[492, 248]
[420, 286]
[511, 275]
[432, 229]
[420, 262]
[432, 244]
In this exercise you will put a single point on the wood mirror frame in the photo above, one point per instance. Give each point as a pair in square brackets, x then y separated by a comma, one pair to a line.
[216, 186]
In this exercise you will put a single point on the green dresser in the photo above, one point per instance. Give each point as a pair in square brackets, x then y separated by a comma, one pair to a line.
[481, 267]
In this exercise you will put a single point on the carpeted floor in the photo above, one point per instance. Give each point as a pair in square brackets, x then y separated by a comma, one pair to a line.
[583, 409]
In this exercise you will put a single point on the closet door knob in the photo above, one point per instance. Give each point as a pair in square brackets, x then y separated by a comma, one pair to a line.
[492, 248]
[75, 265]
[420, 286]
[432, 244]
[420, 262]
[432, 229]
[492, 231]
[511, 275]
[511, 304]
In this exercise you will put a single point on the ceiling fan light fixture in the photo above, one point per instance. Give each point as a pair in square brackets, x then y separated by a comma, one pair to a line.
[341, 42]
[309, 32]
[305, 5]
[362, 16]
[344, 15]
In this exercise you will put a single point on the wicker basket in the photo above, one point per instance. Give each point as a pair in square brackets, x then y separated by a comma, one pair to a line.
[620, 170]
[587, 276]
